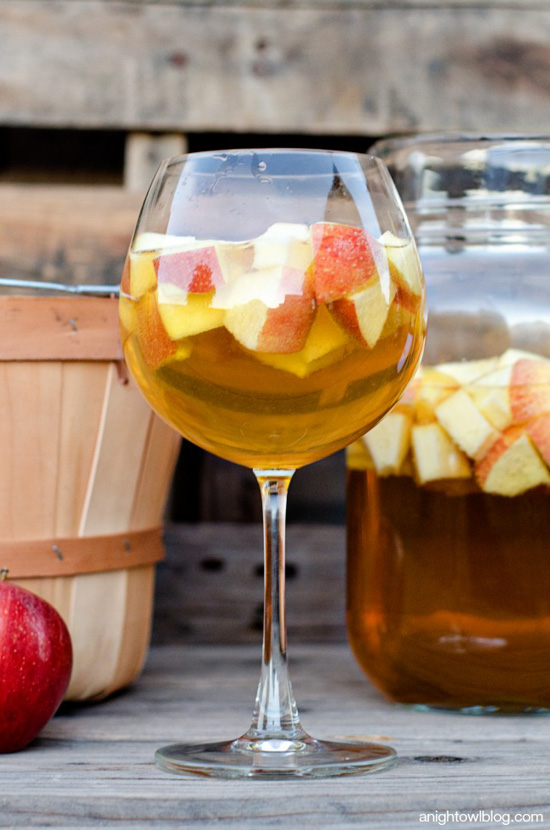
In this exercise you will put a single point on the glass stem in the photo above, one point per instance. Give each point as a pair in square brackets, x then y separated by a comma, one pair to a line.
[275, 712]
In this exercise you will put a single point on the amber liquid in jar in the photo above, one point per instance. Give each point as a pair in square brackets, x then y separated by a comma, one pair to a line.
[449, 579]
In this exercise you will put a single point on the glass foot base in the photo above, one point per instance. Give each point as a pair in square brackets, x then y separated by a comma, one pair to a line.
[275, 758]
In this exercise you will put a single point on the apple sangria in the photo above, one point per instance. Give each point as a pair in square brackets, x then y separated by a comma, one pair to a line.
[259, 350]
[448, 529]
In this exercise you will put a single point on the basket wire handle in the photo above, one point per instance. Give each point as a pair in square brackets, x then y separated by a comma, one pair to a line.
[96, 290]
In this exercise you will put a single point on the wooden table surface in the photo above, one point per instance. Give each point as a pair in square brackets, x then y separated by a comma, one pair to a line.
[93, 764]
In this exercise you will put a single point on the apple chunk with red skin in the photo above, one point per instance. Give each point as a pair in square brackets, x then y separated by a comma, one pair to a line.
[196, 270]
[155, 343]
[279, 329]
[538, 430]
[351, 274]
[364, 314]
[35, 665]
[344, 260]
[512, 465]
[529, 389]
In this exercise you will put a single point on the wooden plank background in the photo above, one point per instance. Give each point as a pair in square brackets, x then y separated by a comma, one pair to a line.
[210, 587]
[64, 233]
[336, 66]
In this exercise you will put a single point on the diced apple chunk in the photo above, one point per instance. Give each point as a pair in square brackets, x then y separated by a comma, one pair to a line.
[344, 260]
[193, 317]
[127, 313]
[388, 442]
[358, 457]
[511, 356]
[324, 338]
[155, 344]
[196, 270]
[402, 254]
[156, 242]
[512, 465]
[433, 387]
[142, 273]
[325, 344]
[435, 455]
[529, 389]
[364, 314]
[538, 430]
[467, 371]
[462, 420]
[280, 330]
[407, 399]
[271, 286]
[284, 243]
[494, 404]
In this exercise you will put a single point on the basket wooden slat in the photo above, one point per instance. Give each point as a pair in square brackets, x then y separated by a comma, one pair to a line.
[76, 456]
[121, 440]
[69, 327]
[158, 464]
[30, 449]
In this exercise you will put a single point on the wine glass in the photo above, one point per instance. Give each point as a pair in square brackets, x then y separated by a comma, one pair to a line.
[272, 310]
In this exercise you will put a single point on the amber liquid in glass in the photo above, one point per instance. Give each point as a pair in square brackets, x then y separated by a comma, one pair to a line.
[449, 589]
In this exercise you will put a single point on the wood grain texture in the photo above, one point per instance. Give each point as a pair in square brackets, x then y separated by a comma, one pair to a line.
[346, 66]
[65, 233]
[65, 328]
[29, 448]
[93, 765]
[121, 441]
[210, 586]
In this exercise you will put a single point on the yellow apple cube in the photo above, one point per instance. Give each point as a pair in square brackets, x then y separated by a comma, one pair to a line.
[326, 343]
[402, 254]
[435, 455]
[388, 443]
[192, 317]
[462, 420]
[512, 466]
[433, 387]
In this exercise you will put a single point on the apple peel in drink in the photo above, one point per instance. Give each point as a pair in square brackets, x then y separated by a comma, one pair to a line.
[35, 665]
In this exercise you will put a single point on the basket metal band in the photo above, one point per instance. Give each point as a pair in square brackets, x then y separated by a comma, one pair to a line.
[25, 558]
[59, 328]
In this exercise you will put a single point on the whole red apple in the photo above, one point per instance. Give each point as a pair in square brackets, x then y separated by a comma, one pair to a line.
[35, 664]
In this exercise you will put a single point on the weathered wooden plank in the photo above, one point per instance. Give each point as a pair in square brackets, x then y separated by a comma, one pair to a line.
[74, 234]
[337, 67]
[143, 154]
[93, 765]
[210, 587]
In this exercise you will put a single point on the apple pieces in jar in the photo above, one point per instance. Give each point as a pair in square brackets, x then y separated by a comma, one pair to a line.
[484, 420]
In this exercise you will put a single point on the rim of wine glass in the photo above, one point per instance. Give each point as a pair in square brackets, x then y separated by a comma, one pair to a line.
[273, 151]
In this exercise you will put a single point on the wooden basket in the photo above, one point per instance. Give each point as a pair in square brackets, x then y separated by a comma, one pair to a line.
[85, 468]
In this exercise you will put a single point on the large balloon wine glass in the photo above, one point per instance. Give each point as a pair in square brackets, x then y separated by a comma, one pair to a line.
[272, 310]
